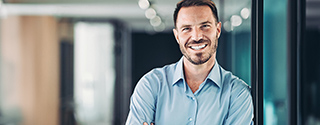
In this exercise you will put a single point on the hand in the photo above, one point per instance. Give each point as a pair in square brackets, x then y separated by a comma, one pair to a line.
[147, 123]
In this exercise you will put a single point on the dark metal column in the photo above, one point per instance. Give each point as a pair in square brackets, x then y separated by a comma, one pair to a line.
[257, 60]
[296, 25]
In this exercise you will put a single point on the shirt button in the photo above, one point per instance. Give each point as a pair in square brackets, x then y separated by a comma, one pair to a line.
[193, 98]
[190, 119]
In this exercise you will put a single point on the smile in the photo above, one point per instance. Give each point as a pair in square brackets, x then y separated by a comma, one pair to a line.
[198, 47]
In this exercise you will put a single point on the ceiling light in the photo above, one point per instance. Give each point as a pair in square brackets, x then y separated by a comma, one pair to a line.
[227, 26]
[150, 13]
[235, 20]
[245, 13]
[144, 4]
[156, 21]
[160, 28]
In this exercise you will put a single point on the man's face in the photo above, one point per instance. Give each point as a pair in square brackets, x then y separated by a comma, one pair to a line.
[197, 33]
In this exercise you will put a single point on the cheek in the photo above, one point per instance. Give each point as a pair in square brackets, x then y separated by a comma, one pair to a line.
[183, 38]
[183, 35]
[210, 33]
[214, 35]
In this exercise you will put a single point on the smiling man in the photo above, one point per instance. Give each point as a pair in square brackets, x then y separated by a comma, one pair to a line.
[196, 89]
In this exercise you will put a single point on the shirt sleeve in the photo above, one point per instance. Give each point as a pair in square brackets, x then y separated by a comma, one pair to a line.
[143, 100]
[241, 106]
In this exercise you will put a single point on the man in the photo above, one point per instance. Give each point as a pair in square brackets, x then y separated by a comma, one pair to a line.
[196, 89]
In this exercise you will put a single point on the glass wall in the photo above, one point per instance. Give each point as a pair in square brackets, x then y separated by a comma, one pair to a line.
[310, 77]
[234, 44]
[275, 62]
[310, 65]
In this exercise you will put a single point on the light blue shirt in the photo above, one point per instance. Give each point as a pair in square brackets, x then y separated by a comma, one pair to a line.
[163, 97]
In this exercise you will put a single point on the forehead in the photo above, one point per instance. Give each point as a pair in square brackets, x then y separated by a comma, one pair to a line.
[194, 15]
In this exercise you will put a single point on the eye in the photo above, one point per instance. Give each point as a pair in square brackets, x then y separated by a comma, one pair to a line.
[205, 26]
[186, 29]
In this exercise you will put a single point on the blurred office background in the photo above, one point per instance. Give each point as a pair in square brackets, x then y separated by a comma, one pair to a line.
[71, 62]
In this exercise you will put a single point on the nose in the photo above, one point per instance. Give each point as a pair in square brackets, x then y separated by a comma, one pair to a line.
[196, 34]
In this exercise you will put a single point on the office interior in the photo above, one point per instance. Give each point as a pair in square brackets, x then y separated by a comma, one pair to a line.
[76, 62]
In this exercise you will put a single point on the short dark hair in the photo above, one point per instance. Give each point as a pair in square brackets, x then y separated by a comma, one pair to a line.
[189, 3]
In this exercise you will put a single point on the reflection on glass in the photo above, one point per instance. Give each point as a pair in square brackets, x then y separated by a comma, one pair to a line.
[94, 73]
[275, 62]
[234, 44]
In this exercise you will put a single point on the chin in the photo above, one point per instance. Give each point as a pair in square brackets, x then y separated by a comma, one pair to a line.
[199, 60]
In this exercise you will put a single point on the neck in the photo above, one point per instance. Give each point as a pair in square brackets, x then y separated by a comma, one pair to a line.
[196, 74]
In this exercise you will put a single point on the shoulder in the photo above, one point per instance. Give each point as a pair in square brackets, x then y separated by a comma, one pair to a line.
[159, 74]
[240, 110]
[236, 84]
[239, 91]
[155, 78]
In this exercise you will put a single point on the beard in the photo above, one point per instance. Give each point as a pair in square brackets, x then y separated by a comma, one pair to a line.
[200, 57]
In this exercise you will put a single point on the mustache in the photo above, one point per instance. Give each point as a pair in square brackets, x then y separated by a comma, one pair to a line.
[197, 41]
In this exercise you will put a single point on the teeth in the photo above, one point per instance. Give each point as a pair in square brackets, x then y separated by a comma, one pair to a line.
[198, 47]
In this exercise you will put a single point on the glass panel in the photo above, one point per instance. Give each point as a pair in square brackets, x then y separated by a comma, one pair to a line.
[310, 66]
[94, 73]
[275, 62]
[234, 44]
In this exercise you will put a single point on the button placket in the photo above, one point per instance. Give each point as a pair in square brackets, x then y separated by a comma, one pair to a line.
[193, 109]
[191, 119]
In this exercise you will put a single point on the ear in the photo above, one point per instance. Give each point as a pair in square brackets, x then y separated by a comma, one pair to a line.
[218, 29]
[175, 32]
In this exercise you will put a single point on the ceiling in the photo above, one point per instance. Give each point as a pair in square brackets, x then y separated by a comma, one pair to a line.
[129, 11]
[124, 10]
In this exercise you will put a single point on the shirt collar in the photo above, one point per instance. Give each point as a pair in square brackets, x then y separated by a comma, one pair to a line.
[178, 72]
[214, 74]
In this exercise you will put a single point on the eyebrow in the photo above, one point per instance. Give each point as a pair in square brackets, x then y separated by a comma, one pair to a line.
[187, 25]
[206, 22]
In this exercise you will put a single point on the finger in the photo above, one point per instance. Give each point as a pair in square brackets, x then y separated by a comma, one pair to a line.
[151, 124]
[145, 123]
